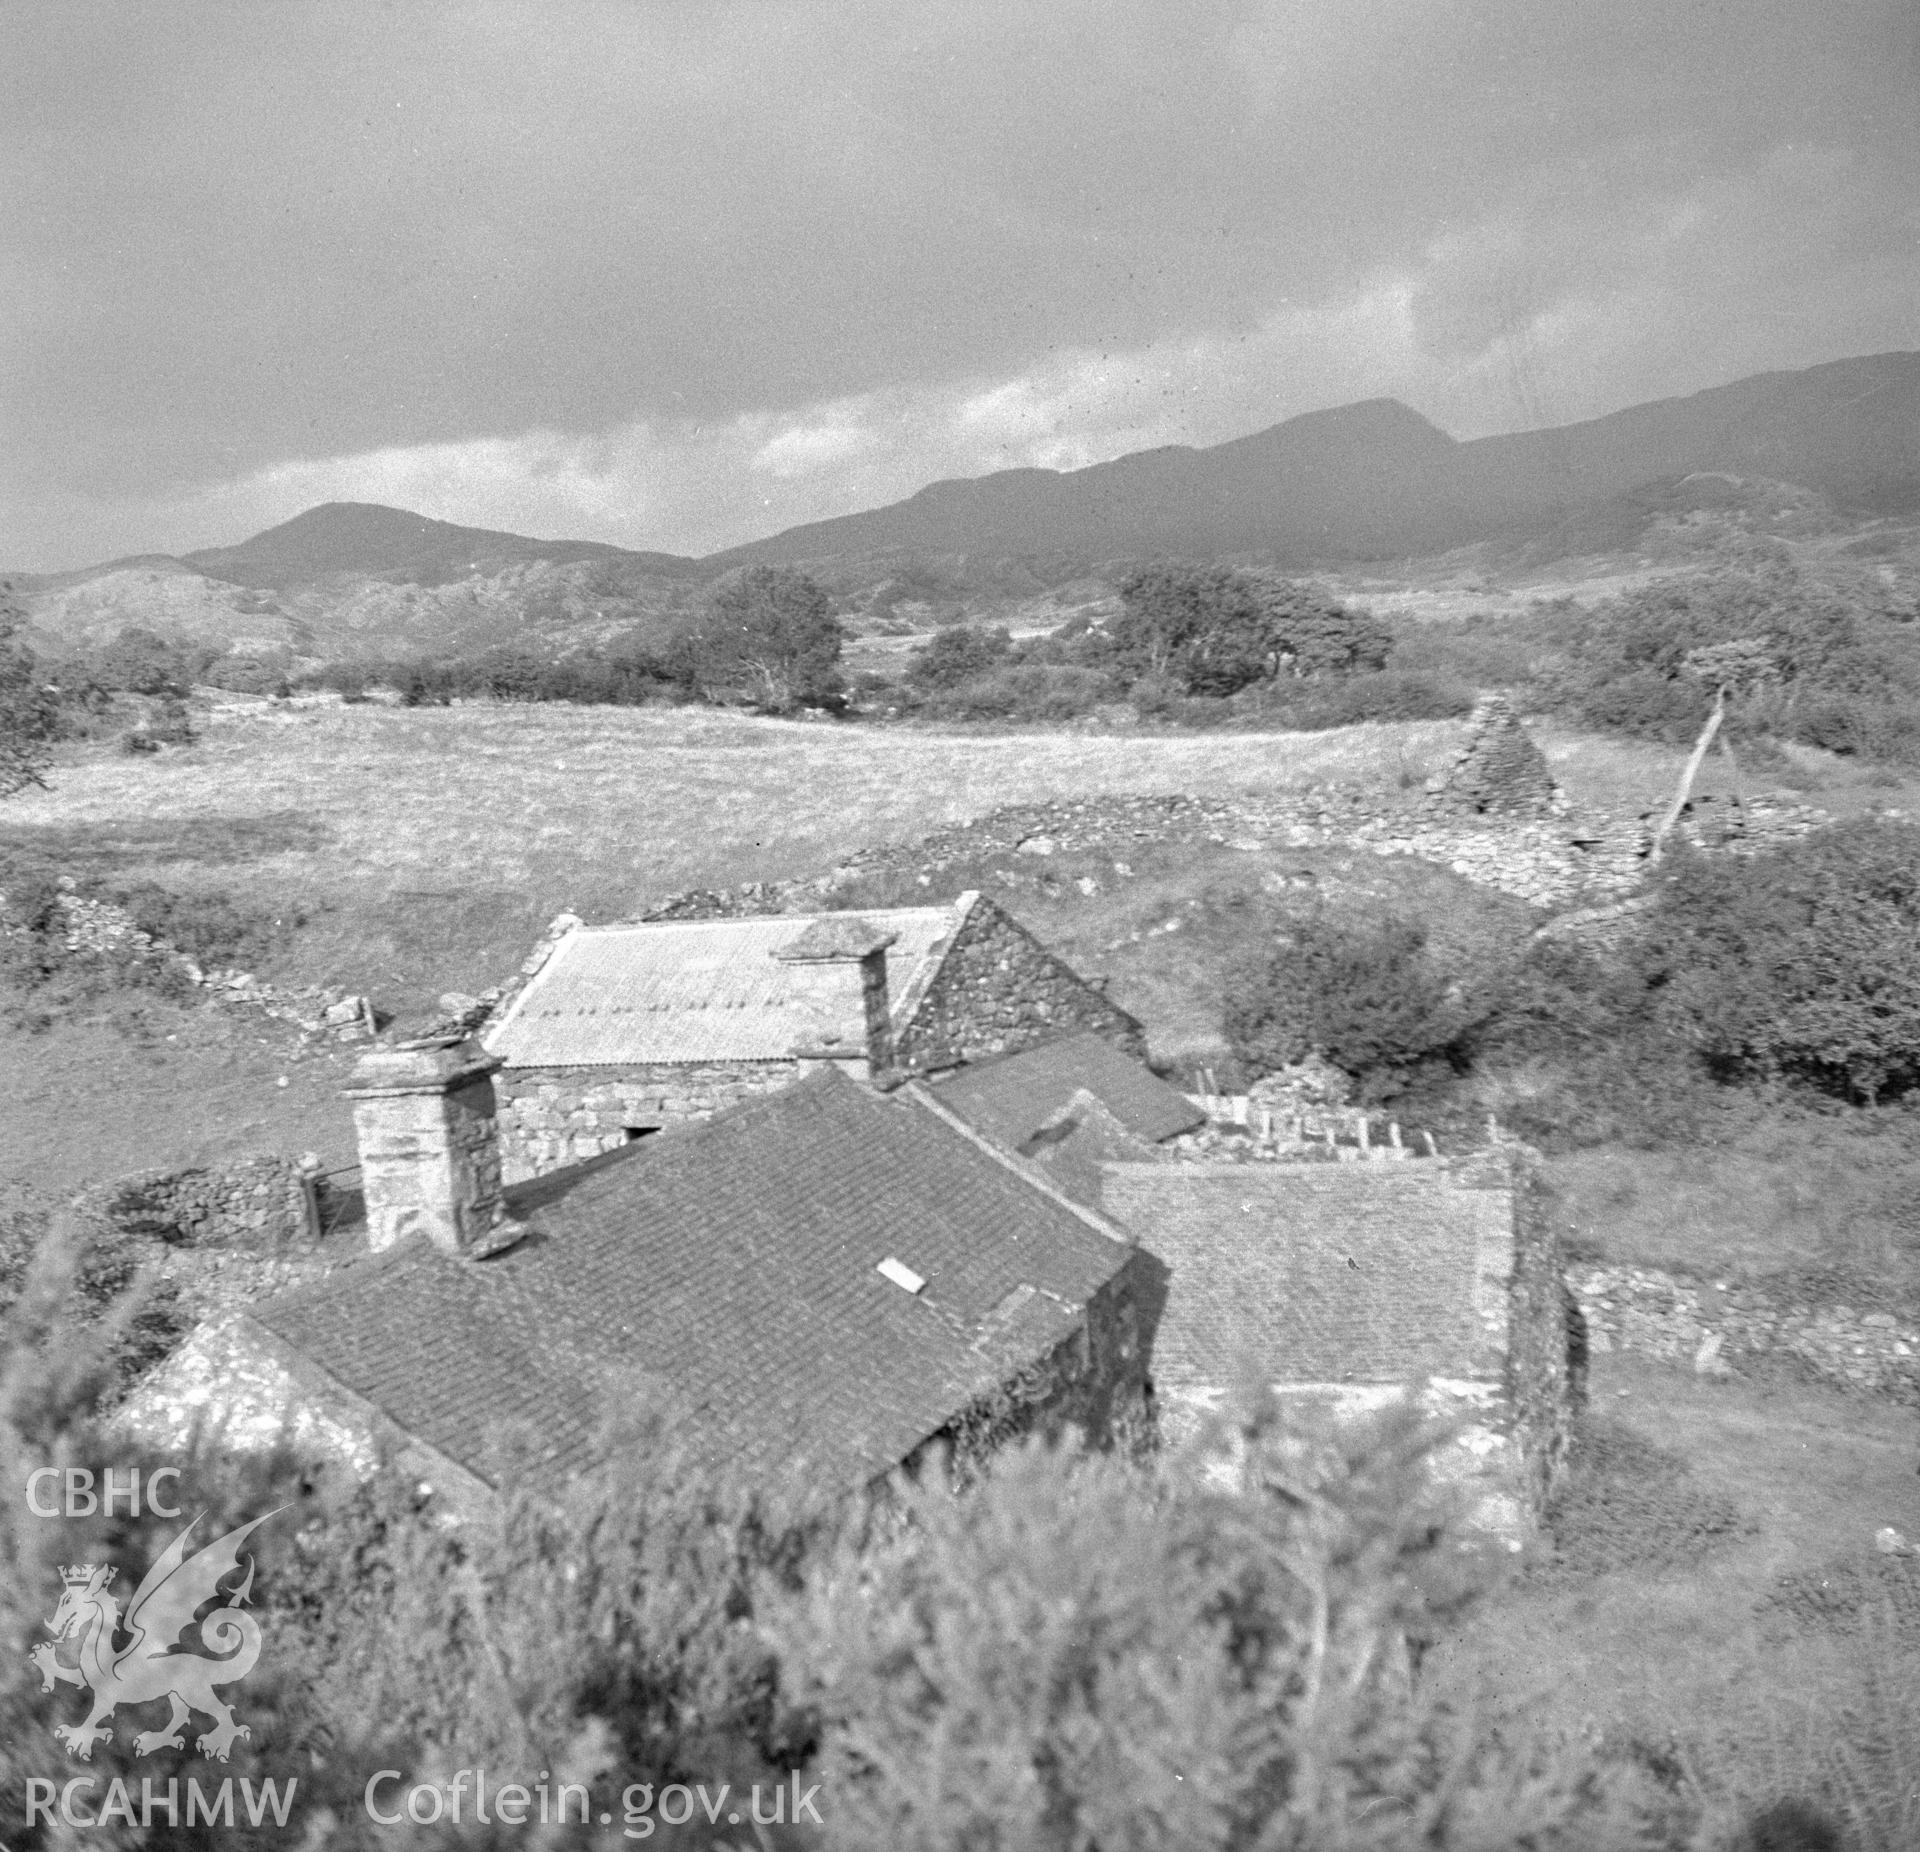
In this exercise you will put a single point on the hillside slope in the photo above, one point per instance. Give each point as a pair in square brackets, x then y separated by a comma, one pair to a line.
[1376, 480]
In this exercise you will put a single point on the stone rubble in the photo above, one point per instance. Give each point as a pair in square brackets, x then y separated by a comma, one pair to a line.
[104, 929]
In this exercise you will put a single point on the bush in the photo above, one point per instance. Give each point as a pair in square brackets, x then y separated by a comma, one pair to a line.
[1802, 963]
[1347, 701]
[1209, 630]
[1080, 1654]
[142, 663]
[29, 709]
[1364, 997]
[1033, 692]
[957, 655]
[210, 926]
[1848, 673]
[767, 635]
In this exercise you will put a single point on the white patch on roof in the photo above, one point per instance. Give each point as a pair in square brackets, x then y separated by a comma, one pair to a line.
[706, 990]
[900, 1274]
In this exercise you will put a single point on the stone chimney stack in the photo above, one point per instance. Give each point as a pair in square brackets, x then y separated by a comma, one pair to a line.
[849, 955]
[423, 1113]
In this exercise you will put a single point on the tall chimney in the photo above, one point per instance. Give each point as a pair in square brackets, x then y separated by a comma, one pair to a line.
[423, 1114]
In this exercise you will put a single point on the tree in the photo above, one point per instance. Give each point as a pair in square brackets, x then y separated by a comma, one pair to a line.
[29, 712]
[1212, 631]
[957, 655]
[143, 663]
[767, 634]
[1314, 634]
[1365, 997]
[1800, 963]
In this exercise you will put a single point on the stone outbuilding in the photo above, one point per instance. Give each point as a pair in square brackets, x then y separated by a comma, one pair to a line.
[618, 1031]
[828, 1279]
[1344, 1287]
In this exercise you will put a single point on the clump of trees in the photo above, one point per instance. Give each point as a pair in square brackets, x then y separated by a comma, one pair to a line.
[29, 709]
[767, 635]
[1199, 644]
[1211, 630]
[1841, 651]
[765, 638]
[1795, 968]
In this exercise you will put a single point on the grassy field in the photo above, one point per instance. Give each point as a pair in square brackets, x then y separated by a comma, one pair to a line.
[427, 848]
[442, 839]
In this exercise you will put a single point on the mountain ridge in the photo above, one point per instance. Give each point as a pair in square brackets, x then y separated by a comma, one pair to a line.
[1374, 480]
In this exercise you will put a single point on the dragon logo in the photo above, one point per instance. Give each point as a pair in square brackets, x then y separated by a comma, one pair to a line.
[154, 1663]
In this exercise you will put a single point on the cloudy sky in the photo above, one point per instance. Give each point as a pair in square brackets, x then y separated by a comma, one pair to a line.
[679, 273]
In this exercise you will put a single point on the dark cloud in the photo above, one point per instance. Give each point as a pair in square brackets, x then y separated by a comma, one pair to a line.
[240, 238]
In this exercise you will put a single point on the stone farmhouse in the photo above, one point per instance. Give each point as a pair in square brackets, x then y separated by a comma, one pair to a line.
[829, 1278]
[1344, 1286]
[617, 1031]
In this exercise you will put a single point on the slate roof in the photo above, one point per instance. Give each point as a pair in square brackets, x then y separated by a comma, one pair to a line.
[1012, 1097]
[710, 990]
[1261, 1276]
[731, 1267]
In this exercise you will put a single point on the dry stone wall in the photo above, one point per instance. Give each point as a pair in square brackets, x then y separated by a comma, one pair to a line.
[260, 1200]
[104, 929]
[1555, 861]
[1716, 1326]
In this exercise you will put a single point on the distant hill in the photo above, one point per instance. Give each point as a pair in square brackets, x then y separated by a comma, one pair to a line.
[358, 579]
[1377, 481]
[390, 543]
[1827, 450]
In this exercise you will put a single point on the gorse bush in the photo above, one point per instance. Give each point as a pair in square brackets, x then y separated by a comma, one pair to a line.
[958, 654]
[1079, 1654]
[1799, 967]
[1803, 963]
[1365, 996]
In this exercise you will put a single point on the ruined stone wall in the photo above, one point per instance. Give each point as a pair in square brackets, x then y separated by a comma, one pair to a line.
[552, 1117]
[1554, 861]
[1716, 1326]
[1544, 1379]
[104, 929]
[257, 1200]
[998, 989]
